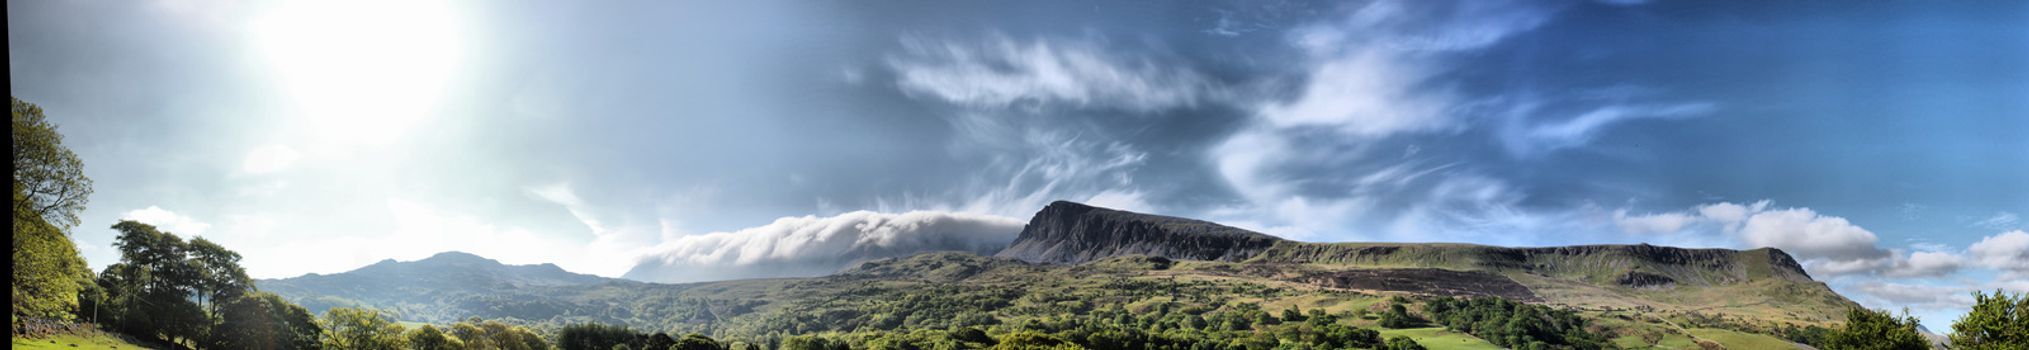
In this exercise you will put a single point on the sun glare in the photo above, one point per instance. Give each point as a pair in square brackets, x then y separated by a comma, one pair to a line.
[361, 72]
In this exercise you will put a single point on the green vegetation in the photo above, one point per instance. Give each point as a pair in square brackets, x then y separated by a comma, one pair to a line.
[1398, 316]
[50, 188]
[1876, 330]
[1739, 340]
[1998, 321]
[350, 328]
[89, 341]
[1515, 325]
[1439, 338]
[1402, 343]
[191, 293]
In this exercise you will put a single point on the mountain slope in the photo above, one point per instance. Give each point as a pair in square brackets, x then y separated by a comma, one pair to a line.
[1074, 259]
[1070, 233]
[1765, 283]
[448, 283]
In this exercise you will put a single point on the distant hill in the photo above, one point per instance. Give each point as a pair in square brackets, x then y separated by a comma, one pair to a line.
[1074, 257]
[449, 283]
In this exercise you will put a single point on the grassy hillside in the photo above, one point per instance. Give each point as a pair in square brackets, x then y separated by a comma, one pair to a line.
[1761, 286]
[945, 290]
[94, 341]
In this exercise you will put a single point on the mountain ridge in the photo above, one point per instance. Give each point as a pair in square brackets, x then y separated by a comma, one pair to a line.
[1066, 240]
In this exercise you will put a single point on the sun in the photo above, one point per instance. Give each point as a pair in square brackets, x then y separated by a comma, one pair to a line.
[360, 72]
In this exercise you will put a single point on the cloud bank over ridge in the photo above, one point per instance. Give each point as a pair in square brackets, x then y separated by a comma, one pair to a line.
[811, 245]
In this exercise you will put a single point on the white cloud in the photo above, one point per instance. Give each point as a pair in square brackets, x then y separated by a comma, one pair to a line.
[1803, 232]
[811, 245]
[166, 220]
[269, 159]
[1526, 140]
[1664, 223]
[1827, 245]
[2000, 221]
[1369, 94]
[1002, 73]
[1373, 74]
[2006, 251]
[1030, 165]
[1917, 296]
[1925, 264]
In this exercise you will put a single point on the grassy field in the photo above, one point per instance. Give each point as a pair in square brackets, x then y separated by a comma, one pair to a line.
[1738, 340]
[68, 341]
[1437, 338]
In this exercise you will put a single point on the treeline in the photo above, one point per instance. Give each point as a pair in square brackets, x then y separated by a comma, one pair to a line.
[191, 293]
[1515, 325]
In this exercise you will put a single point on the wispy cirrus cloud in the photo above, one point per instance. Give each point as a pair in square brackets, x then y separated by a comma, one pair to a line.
[1000, 73]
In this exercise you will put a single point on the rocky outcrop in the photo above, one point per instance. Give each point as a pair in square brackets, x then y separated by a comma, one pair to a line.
[1071, 233]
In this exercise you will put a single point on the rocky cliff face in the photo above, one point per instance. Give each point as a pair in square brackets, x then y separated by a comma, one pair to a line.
[1071, 233]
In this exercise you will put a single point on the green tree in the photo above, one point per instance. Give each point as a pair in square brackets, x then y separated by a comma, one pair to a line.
[48, 275]
[594, 336]
[696, 341]
[1402, 343]
[216, 273]
[811, 342]
[1998, 321]
[262, 320]
[1032, 340]
[659, 340]
[1397, 317]
[490, 334]
[49, 175]
[428, 337]
[360, 329]
[1876, 330]
[50, 188]
[149, 291]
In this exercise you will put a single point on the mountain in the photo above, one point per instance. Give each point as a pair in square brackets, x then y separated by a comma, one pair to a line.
[1765, 283]
[1072, 233]
[1074, 260]
[446, 283]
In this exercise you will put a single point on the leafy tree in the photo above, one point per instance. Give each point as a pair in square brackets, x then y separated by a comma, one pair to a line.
[811, 342]
[263, 320]
[48, 272]
[1402, 343]
[149, 291]
[360, 329]
[695, 341]
[1998, 321]
[49, 175]
[490, 334]
[216, 273]
[659, 340]
[50, 188]
[1398, 317]
[428, 337]
[594, 336]
[1032, 340]
[1876, 330]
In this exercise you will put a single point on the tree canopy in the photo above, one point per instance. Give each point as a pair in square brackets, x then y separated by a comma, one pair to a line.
[1876, 330]
[49, 176]
[50, 188]
[1997, 321]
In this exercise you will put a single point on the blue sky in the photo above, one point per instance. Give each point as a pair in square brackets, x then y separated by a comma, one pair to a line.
[1879, 142]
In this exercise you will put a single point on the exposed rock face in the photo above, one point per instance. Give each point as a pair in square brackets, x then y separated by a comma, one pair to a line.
[1637, 279]
[1071, 233]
